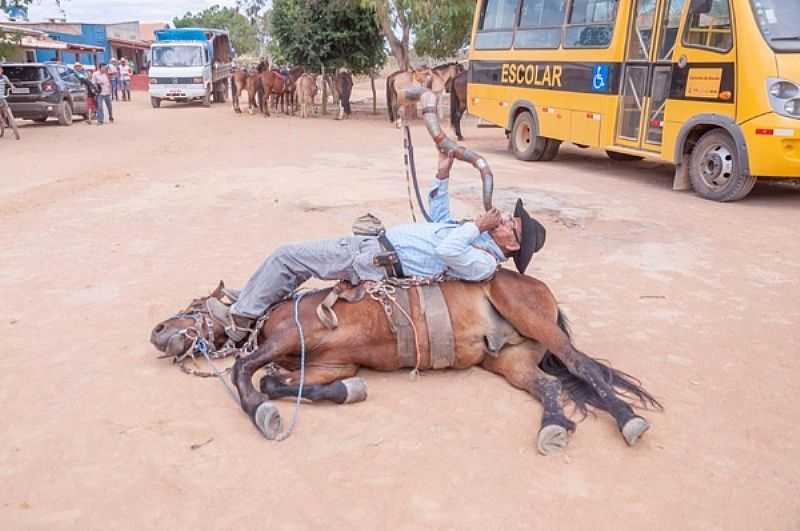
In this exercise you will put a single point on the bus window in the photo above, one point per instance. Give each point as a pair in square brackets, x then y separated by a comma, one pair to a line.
[591, 24]
[642, 35]
[779, 21]
[496, 28]
[709, 25]
[672, 20]
[540, 24]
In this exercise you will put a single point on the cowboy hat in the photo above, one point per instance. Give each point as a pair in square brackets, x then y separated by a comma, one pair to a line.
[531, 240]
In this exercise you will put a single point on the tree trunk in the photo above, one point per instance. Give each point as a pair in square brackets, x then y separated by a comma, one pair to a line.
[374, 94]
[399, 46]
[324, 92]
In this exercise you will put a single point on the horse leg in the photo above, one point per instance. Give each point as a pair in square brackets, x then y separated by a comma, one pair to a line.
[537, 316]
[519, 365]
[336, 385]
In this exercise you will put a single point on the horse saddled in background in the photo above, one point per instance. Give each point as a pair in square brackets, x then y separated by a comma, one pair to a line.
[288, 96]
[272, 83]
[343, 86]
[246, 79]
[458, 102]
[510, 325]
[399, 81]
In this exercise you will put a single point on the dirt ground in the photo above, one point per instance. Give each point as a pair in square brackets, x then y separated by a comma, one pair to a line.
[105, 231]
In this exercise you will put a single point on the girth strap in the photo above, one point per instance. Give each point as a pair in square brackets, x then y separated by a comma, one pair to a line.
[440, 328]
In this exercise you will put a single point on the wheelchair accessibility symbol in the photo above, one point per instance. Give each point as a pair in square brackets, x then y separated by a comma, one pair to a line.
[600, 78]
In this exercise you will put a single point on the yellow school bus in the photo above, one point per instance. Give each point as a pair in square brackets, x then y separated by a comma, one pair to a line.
[712, 86]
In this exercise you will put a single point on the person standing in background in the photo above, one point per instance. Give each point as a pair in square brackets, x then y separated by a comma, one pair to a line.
[91, 92]
[125, 73]
[101, 79]
[113, 76]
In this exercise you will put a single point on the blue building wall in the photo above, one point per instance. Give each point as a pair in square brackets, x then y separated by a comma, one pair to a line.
[93, 34]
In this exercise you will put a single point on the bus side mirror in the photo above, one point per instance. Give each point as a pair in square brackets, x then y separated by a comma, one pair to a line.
[700, 7]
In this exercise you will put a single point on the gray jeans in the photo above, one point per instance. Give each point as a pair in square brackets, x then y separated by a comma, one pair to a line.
[290, 265]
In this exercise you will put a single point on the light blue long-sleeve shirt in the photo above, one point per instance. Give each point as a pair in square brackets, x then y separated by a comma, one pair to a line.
[445, 246]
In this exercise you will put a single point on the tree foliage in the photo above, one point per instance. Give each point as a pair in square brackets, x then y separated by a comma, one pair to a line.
[243, 34]
[439, 29]
[326, 33]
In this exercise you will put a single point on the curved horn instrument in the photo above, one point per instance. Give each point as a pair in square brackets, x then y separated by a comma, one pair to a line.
[444, 143]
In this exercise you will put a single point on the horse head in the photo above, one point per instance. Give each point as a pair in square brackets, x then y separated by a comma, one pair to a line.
[187, 331]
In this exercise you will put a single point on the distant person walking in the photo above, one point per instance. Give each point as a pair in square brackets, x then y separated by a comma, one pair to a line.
[125, 73]
[113, 76]
[101, 79]
[91, 93]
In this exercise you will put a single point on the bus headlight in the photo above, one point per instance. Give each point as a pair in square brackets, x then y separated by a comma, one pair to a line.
[783, 97]
[783, 90]
[793, 107]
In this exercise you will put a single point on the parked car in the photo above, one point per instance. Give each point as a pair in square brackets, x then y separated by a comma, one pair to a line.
[45, 90]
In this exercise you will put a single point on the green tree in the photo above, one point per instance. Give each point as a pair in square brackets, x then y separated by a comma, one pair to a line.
[243, 34]
[10, 40]
[326, 34]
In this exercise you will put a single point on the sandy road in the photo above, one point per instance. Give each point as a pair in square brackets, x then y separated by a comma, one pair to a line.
[104, 231]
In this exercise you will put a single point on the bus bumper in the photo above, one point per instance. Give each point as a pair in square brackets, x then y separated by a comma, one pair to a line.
[773, 144]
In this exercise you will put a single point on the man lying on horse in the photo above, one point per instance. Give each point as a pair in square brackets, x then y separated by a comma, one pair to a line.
[471, 251]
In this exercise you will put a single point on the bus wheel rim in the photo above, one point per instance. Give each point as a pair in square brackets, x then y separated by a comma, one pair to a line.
[524, 136]
[716, 167]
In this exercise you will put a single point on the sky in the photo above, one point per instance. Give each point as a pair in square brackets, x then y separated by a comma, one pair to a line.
[119, 10]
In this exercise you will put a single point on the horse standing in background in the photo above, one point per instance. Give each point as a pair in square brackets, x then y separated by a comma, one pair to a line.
[343, 85]
[458, 102]
[272, 83]
[306, 92]
[245, 79]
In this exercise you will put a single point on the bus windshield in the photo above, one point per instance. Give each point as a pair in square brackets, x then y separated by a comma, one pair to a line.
[177, 56]
[779, 21]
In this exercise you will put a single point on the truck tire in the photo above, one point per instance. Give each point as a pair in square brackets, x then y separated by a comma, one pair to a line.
[524, 143]
[65, 114]
[155, 102]
[622, 157]
[714, 168]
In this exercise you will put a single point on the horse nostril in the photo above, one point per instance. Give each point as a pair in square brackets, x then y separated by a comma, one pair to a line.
[158, 329]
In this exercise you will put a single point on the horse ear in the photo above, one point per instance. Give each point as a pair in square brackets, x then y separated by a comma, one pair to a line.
[217, 293]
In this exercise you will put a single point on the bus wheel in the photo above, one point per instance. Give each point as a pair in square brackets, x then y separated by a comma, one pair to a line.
[622, 157]
[524, 144]
[714, 168]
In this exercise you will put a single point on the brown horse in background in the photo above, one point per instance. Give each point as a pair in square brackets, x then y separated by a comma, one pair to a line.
[458, 102]
[343, 86]
[288, 96]
[245, 80]
[510, 325]
[438, 79]
[272, 84]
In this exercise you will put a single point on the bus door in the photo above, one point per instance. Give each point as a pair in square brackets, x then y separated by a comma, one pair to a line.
[647, 73]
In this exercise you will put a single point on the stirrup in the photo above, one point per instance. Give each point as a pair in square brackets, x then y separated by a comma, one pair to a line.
[223, 313]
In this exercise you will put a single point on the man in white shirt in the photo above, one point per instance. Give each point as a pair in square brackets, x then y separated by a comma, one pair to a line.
[125, 73]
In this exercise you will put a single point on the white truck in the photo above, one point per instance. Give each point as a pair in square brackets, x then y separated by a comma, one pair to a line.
[188, 64]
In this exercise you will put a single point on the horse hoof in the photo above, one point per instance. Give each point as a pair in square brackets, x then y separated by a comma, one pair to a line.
[356, 390]
[268, 420]
[552, 439]
[634, 429]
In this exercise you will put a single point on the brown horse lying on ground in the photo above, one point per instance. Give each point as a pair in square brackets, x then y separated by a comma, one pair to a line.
[509, 325]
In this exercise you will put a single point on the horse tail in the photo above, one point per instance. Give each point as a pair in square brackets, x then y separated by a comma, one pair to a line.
[390, 98]
[455, 112]
[581, 393]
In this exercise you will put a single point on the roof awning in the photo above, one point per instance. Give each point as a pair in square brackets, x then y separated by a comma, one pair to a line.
[124, 43]
[84, 47]
[45, 44]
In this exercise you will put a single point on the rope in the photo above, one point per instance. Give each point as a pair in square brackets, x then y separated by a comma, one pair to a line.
[297, 298]
[411, 175]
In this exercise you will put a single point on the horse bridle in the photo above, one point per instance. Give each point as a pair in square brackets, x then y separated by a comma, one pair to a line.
[201, 343]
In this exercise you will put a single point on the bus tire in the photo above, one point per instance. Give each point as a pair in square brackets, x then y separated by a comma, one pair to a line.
[155, 102]
[622, 157]
[524, 143]
[550, 150]
[714, 168]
